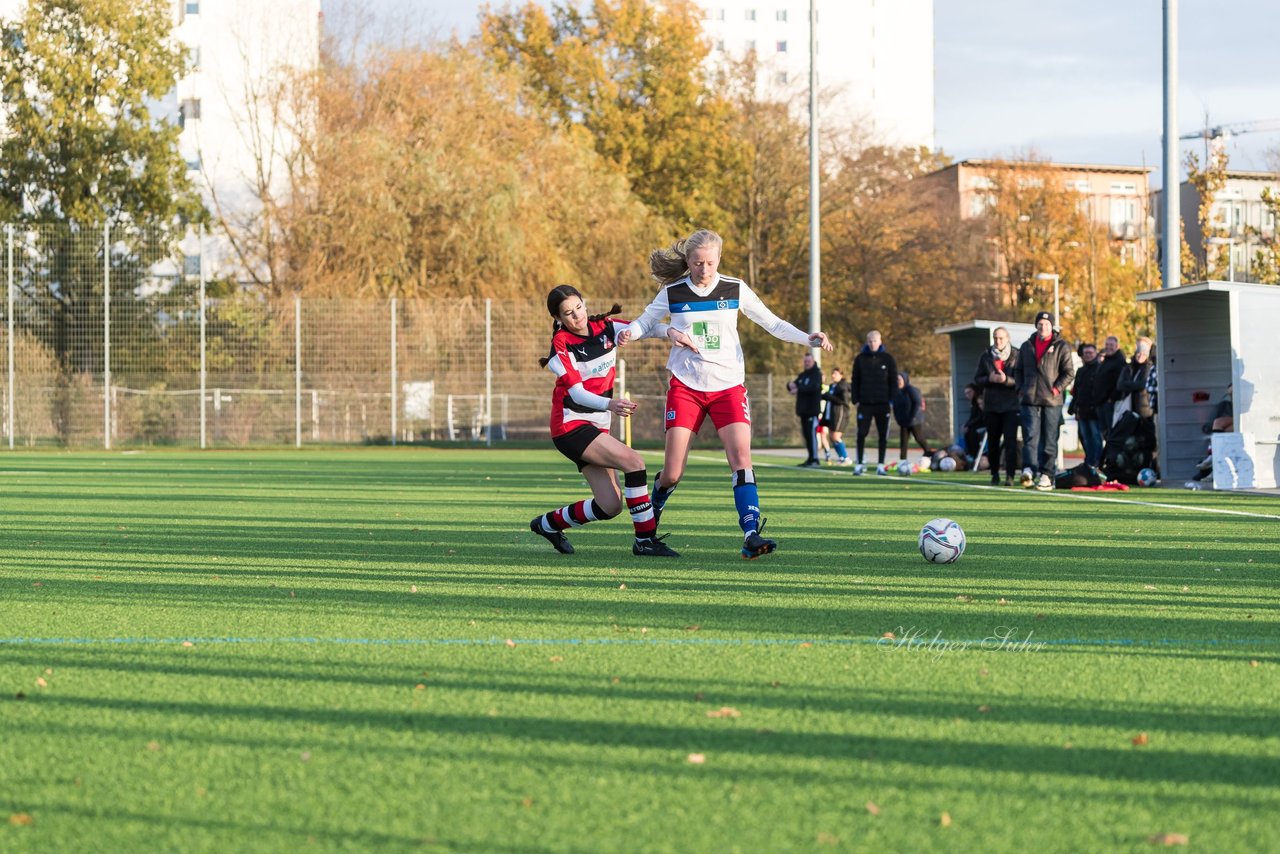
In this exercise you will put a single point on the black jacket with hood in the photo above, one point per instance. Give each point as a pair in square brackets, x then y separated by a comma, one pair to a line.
[874, 381]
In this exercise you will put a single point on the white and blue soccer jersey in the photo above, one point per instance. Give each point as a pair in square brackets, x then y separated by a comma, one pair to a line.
[710, 317]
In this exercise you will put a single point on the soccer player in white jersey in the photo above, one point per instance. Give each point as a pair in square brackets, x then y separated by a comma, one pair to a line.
[583, 356]
[707, 369]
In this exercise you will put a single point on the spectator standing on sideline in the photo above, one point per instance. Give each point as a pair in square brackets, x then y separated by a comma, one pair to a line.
[872, 386]
[997, 368]
[1111, 363]
[908, 411]
[1084, 407]
[1044, 371]
[1135, 380]
[837, 413]
[808, 391]
[975, 427]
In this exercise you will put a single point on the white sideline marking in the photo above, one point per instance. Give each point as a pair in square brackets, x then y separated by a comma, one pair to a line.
[1055, 493]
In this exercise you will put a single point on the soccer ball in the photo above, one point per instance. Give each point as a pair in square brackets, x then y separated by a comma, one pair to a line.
[942, 541]
[925, 464]
[947, 464]
[1147, 477]
[905, 468]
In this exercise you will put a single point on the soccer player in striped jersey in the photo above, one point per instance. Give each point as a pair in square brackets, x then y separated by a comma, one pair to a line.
[707, 370]
[582, 357]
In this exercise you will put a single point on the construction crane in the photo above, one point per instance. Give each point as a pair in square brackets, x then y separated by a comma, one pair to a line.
[1216, 137]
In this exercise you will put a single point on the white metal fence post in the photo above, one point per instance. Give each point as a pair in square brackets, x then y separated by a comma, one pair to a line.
[297, 371]
[9, 318]
[106, 335]
[488, 372]
[394, 376]
[204, 367]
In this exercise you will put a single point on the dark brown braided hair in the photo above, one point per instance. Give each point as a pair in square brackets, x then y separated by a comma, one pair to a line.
[558, 295]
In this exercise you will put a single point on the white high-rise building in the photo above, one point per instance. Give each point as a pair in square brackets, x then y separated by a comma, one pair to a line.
[238, 116]
[874, 56]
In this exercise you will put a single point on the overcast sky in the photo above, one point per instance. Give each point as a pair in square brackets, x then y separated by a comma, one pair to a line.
[1076, 80]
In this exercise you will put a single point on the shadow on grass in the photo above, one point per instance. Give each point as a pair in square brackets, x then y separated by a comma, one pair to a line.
[1120, 763]
[526, 684]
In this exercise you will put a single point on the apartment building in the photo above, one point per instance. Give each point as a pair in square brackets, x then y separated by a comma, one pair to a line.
[1238, 219]
[874, 56]
[1115, 197]
[238, 125]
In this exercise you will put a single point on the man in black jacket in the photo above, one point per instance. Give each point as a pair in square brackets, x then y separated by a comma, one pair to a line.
[808, 391]
[872, 387]
[1045, 370]
[1084, 407]
[1111, 362]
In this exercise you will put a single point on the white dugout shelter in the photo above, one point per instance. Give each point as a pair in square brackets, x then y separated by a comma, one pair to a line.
[1209, 335]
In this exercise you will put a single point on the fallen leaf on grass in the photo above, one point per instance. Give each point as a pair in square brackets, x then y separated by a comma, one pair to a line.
[828, 839]
[1003, 601]
[1253, 663]
[724, 712]
[305, 756]
[1148, 587]
[805, 645]
[21, 819]
[420, 687]
[622, 587]
[872, 808]
[1141, 740]
[693, 628]
[527, 803]
[697, 758]
[945, 819]
[963, 598]
[153, 746]
[510, 642]
[187, 643]
[413, 588]
[1169, 839]
[984, 708]
[40, 680]
[889, 635]
[556, 658]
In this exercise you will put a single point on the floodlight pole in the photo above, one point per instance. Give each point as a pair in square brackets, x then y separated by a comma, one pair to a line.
[815, 216]
[1171, 262]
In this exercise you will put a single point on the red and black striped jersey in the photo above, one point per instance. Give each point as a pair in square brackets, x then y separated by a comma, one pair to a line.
[588, 361]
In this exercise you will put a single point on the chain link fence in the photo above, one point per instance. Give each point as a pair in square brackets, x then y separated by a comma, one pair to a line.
[112, 339]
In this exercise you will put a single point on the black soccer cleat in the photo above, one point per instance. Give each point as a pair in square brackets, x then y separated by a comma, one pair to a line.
[558, 540]
[755, 545]
[653, 547]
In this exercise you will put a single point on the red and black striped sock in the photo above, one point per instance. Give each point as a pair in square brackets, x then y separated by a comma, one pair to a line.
[572, 516]
[636, 491]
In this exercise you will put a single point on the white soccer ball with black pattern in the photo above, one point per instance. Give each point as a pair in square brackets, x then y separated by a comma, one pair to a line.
[905, 468]
[942, 541]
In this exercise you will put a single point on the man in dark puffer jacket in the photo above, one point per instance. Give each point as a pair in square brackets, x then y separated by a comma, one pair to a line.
[872, 387]
[1045, 371]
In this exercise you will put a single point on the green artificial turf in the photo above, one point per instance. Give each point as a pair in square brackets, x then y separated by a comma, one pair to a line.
[368, 650]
